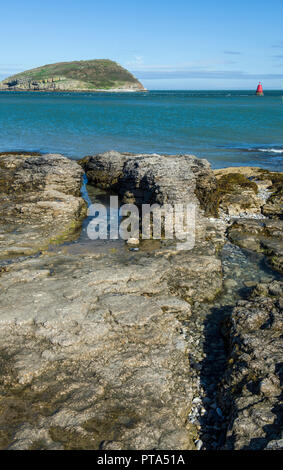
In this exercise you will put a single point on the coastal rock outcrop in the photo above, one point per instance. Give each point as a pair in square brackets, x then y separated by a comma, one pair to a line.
[274, 204]
[236, 194]
[252, 199]
[40, 202]
[104, 170]
[152, 178]
[108, 346]
[244, 191]
[251, 389]
[80, 338]
[263, 236]
[84, 332]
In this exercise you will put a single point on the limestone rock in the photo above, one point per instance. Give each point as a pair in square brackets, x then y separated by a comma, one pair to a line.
[238, 199]
[261, 236]
[104, 170]
[93, 346]
[152, 178]
[241, 202]
[93, 350]
[40, 202]
[252, 382]
[274, 205]
[105, 349]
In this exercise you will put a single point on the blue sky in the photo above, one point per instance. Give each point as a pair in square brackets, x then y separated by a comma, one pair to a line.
[180, 44]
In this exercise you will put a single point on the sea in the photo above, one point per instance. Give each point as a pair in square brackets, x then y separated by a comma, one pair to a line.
[228, 128]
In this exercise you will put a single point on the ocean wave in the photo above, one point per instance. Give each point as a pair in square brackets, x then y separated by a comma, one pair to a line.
[277, 150]
[271, 150]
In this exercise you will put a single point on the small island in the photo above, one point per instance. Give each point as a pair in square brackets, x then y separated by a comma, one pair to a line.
[83, 75]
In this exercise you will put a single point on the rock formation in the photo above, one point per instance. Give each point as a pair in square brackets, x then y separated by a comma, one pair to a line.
[152, 178]
[252, 392]
[263, 236]
[254, 197]
[108, 347]
[40, 202]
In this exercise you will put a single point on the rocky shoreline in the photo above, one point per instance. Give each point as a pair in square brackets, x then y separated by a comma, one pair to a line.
[103, 347]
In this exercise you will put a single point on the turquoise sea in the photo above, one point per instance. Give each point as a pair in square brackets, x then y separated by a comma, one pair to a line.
[226, 127]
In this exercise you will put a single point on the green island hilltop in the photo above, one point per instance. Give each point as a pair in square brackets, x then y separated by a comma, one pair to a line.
[82, 75]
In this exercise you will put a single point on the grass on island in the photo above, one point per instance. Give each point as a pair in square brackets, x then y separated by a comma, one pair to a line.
[100, 73]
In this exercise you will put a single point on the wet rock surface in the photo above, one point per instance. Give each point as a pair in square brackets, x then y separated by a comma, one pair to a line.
[209, 326]
[85, 338]
[250, 200]
[252, 391]
[263, 236]
[106, 346]
[82, 337]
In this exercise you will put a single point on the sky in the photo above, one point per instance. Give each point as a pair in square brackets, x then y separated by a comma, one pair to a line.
[176, 44]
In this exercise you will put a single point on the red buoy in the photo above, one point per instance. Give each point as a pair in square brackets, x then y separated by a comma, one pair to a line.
[259, 90]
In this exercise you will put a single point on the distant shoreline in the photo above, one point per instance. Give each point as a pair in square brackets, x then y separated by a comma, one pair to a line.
[271, 90]
[77, 91]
